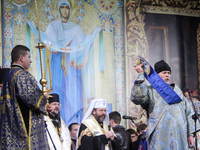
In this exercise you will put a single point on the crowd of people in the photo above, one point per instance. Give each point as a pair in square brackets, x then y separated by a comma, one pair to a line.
[27, 123]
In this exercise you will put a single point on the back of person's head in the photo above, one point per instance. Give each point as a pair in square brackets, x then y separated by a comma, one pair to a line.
[131, 131]
[70, 126]
[17, 51]
[115, 116]
[142, 127]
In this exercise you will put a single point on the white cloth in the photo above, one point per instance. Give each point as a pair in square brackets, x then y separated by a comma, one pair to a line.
[66, 144]
[95, 103]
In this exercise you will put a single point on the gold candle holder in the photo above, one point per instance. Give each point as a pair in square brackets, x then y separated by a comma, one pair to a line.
[40, 46]
[43, 81]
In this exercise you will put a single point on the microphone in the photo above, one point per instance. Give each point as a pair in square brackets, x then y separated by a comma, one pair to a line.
[187, 90]
[129, 117]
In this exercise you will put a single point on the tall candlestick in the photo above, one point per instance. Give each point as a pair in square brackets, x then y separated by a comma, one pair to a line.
[48, 63]
[37, 20]
[47, 59]
[49, 68]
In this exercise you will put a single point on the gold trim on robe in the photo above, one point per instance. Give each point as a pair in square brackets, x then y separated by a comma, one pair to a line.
[93, 129]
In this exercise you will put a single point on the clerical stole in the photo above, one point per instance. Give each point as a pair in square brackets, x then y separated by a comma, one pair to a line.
[93, 129]
[61, 143]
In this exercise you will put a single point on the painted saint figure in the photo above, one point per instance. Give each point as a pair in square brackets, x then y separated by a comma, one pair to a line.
[71, 58]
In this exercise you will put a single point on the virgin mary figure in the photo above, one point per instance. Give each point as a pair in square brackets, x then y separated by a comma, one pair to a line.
[71, 61]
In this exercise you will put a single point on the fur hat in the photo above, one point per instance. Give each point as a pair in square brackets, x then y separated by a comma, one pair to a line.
[161, 66]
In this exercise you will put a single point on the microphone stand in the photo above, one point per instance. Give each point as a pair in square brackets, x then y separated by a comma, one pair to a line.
[50, 135]
[109, 141]
[195, 117]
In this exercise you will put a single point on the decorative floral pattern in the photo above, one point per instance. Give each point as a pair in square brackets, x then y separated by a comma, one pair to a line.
[107, 26]
[7, 16]
[107, 7]
[20, 2]
[80, 10]
[7, 33]
[19, 18]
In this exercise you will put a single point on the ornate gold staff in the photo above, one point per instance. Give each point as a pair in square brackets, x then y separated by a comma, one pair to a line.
[40, 46]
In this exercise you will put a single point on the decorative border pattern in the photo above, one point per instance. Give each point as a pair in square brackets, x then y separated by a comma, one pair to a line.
[107, 7]
[13, 15]
[174, 11]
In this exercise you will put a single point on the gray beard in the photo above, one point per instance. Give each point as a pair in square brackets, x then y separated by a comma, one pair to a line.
[99, 119]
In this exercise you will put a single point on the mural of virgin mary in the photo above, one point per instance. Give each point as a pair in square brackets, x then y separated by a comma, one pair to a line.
[71, 57]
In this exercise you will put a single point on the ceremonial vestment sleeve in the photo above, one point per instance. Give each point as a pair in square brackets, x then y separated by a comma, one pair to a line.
[21, 120]
[28, 91]
[140, 91]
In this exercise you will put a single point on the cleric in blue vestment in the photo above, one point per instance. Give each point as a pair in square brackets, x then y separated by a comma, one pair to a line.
[169, 123]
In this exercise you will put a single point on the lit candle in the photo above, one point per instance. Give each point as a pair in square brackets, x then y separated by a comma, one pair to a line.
[47, 59]
[49, 46]
[47, 62]
[37, 20]
[49, 65]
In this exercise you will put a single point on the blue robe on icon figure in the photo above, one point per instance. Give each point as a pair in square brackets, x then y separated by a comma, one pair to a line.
[71, 60]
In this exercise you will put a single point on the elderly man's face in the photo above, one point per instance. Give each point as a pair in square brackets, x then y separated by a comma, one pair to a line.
[55, 108]
[99, 114]
[165, 75]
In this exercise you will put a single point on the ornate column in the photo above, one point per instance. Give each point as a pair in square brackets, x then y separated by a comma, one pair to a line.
[135, 44]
